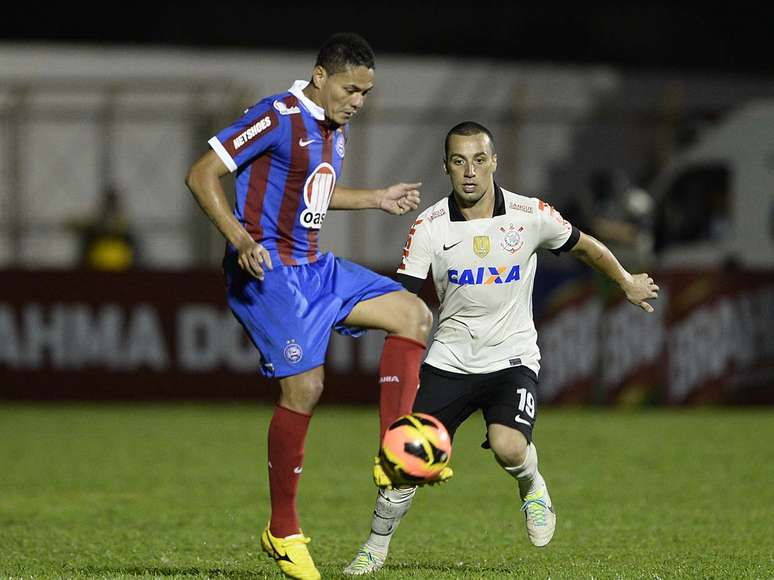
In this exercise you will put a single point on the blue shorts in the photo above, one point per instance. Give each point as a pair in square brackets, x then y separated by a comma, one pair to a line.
[290, 314]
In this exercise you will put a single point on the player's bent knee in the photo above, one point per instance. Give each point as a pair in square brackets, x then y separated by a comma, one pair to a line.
[301, 394]
[510, 448]
[511, 456]
[408, 316]
[420, 319]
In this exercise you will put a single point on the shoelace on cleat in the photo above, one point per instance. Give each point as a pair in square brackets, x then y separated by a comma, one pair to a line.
[536, 509]
[363, 559]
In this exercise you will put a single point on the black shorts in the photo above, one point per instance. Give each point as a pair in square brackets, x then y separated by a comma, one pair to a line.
[507, 397]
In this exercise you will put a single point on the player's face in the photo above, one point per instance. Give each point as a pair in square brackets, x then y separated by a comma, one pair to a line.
[471, 163]
[343, 94]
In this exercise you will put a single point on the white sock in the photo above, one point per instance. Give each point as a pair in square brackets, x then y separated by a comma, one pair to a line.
[527, 475]
[391, 506]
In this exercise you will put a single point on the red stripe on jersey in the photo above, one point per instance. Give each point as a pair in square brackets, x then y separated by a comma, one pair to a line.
[407, 247]
[262, 125]
[256, 193]
[294, 186]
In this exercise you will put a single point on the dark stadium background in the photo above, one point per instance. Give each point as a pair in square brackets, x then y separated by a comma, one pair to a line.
[680, 40]
[726, 36]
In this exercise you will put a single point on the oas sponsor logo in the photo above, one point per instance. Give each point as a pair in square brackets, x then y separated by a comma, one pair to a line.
[340, 149]
[484, 275]
[283, 109]
[251, 132]
[318, 190]
[512, 241]
[293, 352]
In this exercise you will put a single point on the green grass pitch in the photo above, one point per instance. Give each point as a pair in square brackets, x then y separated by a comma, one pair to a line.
[180, 491]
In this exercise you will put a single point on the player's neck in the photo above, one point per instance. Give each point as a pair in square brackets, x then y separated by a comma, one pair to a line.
[483, 208]
[313, 94]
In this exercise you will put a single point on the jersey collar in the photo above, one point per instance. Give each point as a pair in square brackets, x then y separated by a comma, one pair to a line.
[297, 90]
[455, 214]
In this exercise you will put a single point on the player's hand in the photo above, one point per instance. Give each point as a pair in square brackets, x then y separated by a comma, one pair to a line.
[254, 259]
[400, 198]
[638, 289]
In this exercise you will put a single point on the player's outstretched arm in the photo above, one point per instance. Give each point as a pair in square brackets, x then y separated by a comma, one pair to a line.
[639, 288]
[396, 199]
[203, 180]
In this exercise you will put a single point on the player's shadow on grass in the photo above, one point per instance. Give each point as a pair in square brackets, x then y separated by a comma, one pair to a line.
[167, 571]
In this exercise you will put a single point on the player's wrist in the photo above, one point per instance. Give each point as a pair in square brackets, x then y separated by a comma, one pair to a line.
[240, 239]
[625, 281]
[379, 196]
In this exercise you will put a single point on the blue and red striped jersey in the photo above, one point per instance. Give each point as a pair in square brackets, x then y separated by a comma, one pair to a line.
[287, 161]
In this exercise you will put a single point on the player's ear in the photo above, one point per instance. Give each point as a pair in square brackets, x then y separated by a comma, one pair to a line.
[494, 161]
[445, 167]
[319, 74]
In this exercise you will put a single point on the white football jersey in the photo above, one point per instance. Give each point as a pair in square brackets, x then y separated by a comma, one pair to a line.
[483, 271]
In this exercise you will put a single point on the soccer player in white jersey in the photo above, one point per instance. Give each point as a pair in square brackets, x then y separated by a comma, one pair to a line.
[481, 243]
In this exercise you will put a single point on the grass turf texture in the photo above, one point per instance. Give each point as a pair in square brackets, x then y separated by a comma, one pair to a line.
[180, 491]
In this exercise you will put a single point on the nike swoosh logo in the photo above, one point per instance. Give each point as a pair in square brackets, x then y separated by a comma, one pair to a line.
[302, 143]
[518, 419]
[298, 469]
[277, 554]
[445, 247]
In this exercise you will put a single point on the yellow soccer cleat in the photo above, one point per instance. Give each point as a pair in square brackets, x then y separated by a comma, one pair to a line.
[381, 479]
[291, 554]
[446, 474]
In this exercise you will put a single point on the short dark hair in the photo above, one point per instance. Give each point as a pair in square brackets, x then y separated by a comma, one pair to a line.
[345, 49]
[467, 128]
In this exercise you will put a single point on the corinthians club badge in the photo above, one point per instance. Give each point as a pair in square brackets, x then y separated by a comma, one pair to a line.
[512, 241]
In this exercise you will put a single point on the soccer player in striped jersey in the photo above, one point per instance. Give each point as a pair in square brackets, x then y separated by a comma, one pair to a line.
[287, 151]
[481, 244]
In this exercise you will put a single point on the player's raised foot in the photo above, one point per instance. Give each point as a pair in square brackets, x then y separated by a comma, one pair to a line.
[540, 516]
[381, 479]
[291, 554]
[366, 561]
[445, 475]
[380, 476]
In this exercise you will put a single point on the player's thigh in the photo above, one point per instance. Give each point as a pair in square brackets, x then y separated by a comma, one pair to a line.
[511, 400]
[286, 316]
[446, 396]
[398, 312]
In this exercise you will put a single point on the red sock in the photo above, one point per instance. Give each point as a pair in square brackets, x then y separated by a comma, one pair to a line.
[287, 432]
[398, 378]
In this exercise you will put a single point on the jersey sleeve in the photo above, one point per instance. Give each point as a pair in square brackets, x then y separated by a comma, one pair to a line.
[555, 231]
[417, 253]
[255, 132]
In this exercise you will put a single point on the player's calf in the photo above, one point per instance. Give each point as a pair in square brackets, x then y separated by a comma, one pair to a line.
[391, 506]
